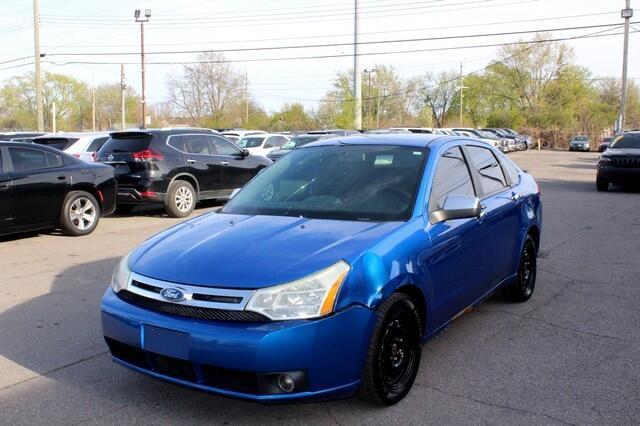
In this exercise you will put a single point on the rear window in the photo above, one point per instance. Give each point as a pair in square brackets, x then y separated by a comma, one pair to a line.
[126, 143]
[57, 143]
[96, 144]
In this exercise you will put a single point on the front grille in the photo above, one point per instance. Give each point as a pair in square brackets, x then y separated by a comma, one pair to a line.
[190, 311]
[208, 375]
[630, 162]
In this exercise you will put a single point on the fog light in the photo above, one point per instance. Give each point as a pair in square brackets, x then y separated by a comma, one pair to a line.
[286, 383]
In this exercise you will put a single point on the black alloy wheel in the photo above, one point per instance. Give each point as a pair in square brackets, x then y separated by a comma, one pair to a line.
[393, 358]
[522, 288]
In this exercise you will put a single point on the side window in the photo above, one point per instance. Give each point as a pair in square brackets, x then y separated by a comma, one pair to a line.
[53, 160]
[177, 142]
[274, 141]
[224, 147]
[96, 144]
[510, 169]
[28, 159]
[488, 168]
[197, 144]
[452, 178]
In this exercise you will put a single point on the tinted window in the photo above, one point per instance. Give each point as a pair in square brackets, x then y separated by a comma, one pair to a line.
[299, 141]
[126, 143]
[224, 147]
[488, 168]
[193, 144]
[452, 178]
[57, 143]
[251, 142]
[510, 169]
[275, 141]
[368, 183]
[626, 141]
[31, 159]
[96, 144]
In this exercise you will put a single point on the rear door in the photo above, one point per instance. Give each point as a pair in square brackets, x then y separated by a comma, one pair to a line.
[6, 202]
[237, 169]
[201, 162]
[39, 185]
[501, 206]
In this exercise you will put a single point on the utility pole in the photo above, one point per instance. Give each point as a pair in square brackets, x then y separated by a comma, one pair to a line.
[141, 20]
[369, 100]
[36, 40]
[93, 108]
[246, 98]
[357, 77]
[123, 86]
[462, 87]
[627, 14]
[53, 116]
[383, 90]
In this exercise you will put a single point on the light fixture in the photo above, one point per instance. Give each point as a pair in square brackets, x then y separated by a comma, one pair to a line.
[136, 14]
[627, 13]
[147, 13]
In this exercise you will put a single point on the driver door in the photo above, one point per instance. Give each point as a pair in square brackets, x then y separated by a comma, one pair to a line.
[6, 202]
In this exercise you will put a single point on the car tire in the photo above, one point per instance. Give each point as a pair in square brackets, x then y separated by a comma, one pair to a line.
[80, 214]
[393, 355]
[522, 288]
[602, 184]
[181, 199]
[124, 208]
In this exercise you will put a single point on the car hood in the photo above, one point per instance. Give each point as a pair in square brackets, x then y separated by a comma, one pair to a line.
[627, 151]
[238, 251]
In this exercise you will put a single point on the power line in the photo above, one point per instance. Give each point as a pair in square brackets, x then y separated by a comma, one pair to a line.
[313, 46]
[329, 56]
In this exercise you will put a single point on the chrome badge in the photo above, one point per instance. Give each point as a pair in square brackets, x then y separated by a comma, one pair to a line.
[173, 294]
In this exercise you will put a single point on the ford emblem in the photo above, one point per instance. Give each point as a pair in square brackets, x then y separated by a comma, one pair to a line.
[110, 157]
[173, 294]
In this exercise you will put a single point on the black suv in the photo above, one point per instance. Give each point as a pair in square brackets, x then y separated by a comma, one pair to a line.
[176, 167]
[620, 163]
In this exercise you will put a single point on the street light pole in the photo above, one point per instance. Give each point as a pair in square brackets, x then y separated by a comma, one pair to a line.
[627, 14]
[123, 87]
[36, 40]
[357, 77]
[142, 20]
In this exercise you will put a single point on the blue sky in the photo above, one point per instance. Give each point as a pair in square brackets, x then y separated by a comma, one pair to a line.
[90, 26]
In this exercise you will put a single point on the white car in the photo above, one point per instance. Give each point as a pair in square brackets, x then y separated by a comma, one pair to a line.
[87, 145]
[479, 135]
[262, 144]
[236, 135]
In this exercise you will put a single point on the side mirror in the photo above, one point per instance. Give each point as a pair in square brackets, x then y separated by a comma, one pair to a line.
[244, 153]
[234, 192]
[457, 207]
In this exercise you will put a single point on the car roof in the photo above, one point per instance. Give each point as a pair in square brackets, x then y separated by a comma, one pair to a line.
[423, 140]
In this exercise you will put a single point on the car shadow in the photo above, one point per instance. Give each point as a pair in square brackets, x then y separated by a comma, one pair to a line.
[157, 210]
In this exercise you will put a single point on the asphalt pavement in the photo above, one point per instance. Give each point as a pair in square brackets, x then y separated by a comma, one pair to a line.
[571, 355]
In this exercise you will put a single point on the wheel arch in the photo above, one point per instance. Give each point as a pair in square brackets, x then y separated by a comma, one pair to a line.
[89, 188]
[417, 296]
[534, 231]
[188, 177]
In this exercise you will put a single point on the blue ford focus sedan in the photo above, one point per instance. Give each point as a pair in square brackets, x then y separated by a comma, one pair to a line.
[325, 274]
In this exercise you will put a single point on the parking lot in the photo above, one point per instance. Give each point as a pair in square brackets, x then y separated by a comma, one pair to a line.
[569, 356]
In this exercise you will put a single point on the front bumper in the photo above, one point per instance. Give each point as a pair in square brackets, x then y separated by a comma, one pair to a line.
[330, 351]
[619, 175]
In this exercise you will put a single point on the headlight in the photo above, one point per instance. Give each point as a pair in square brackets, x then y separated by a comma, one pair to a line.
[309, 297]
[120, 277]
[604, 160]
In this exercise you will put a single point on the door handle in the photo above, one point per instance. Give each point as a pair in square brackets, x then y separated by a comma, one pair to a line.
[225, 163]
[191, 161]
[62, 177]
[515, 196]
[4, 186]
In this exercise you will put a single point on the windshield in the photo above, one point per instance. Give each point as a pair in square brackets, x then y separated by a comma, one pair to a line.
[369, 183]
[579, 139]
[631, 141]
[251, 142]
[299, 141]
[487, 135]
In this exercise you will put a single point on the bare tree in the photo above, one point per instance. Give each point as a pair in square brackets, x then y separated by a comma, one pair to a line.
[206, 90]
[439, 93]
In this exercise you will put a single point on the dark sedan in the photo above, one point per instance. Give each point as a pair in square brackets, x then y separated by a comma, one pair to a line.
[620, 163]
[295, 142]
[43, 188]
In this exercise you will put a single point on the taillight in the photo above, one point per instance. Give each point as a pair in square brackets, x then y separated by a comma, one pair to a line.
[147, 155]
